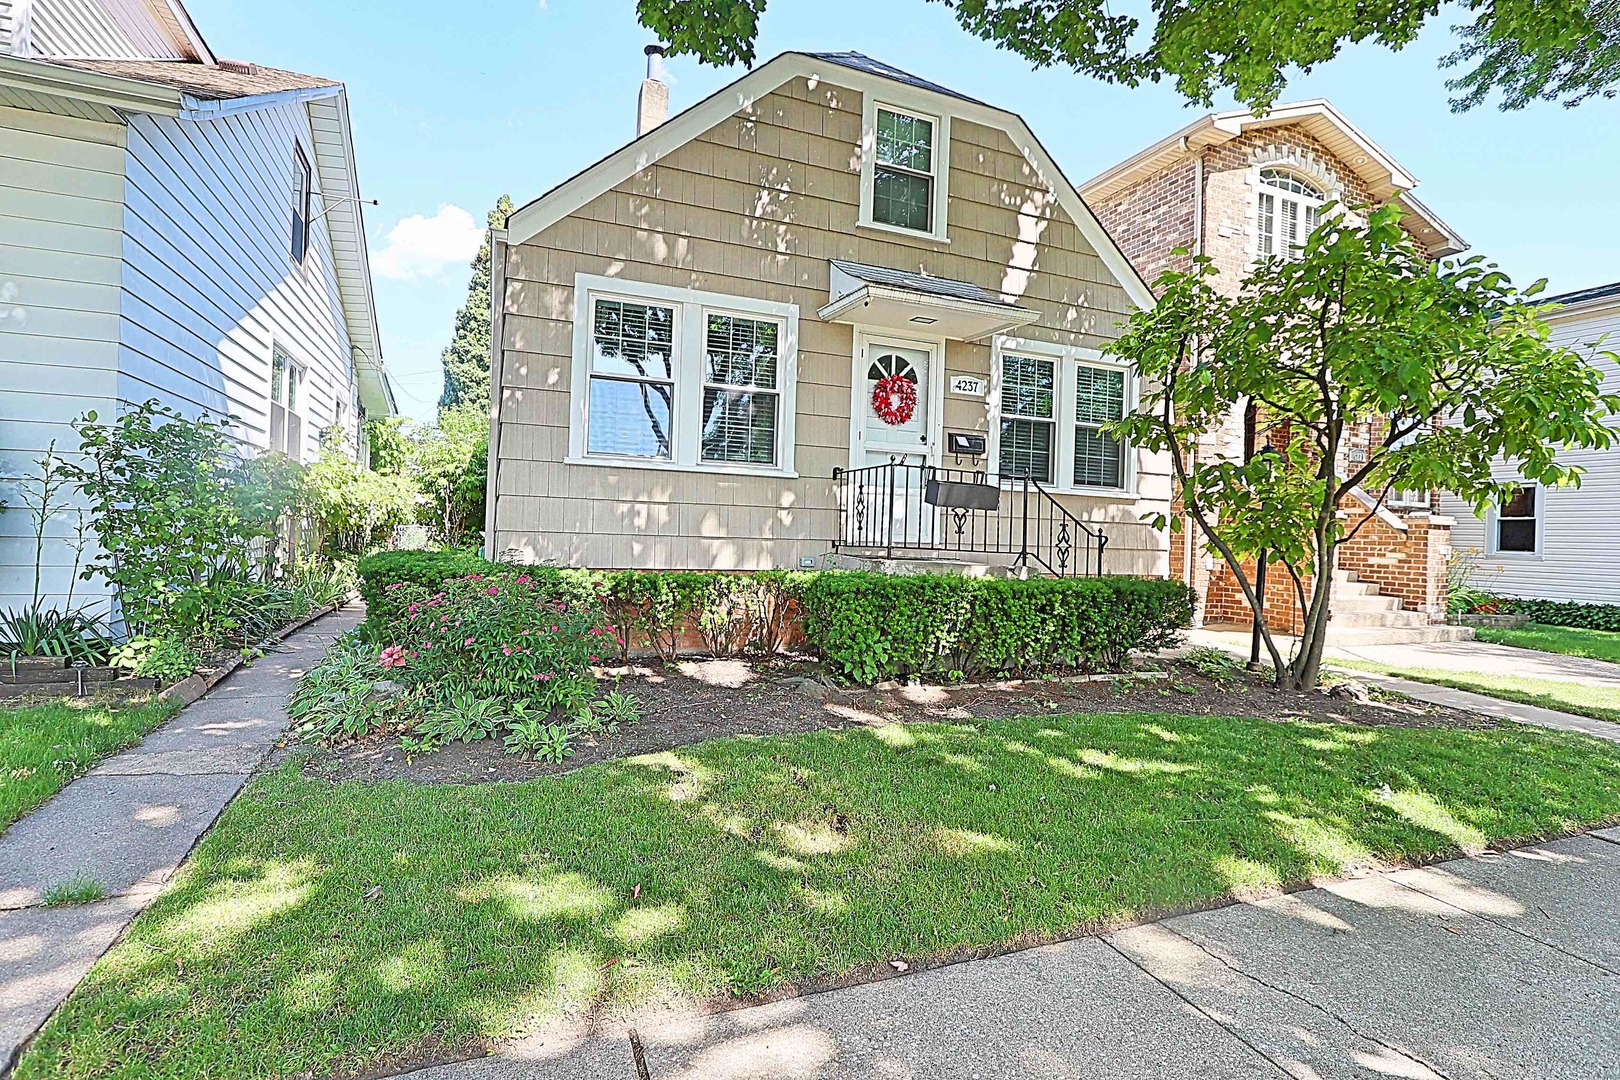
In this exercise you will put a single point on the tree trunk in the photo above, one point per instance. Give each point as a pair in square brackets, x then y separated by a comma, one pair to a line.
[1307, 666]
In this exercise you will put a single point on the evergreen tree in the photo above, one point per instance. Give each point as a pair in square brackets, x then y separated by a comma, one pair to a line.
[466, 361]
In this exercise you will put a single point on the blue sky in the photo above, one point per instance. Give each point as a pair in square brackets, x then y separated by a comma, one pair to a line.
[453, 106]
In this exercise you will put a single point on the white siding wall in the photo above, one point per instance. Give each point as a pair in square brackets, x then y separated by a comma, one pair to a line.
[97, 29]
[1577, 560]
[7, 21]
[61, 229]
[209, 281]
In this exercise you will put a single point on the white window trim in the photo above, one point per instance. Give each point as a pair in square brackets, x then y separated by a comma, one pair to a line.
[1493, 544]
[1068, 358]
[686, 419]
[1261, 188]
[942, 164]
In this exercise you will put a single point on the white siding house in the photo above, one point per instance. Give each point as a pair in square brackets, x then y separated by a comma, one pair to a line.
[171, 227]
[1558, 543]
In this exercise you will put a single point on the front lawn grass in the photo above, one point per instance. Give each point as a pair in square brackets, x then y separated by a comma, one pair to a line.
[42, 747]
[334, 928]
[1568, 640]
[1583, 699]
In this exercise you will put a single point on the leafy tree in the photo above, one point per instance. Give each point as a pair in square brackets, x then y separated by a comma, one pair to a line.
[1529, 48]
[354, 507]
[1576, 57]
[449, 463]
[390, 446]
[466, 359]
[1360, 329]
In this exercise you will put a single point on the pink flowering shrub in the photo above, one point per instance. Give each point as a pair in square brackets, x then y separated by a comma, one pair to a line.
[504, 637]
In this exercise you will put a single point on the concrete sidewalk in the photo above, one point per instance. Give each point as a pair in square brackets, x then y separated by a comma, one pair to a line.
[128, 824]
[1462, 657]
[1498, 966]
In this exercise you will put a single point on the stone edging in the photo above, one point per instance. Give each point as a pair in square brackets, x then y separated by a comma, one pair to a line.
[194, 686]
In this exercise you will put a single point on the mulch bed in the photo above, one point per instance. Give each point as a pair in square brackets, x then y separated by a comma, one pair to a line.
[690, 701]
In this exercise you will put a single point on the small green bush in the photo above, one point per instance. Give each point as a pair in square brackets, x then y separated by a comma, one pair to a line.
[1564, 613]
[337, 700]
[166, 659]
[877, 626]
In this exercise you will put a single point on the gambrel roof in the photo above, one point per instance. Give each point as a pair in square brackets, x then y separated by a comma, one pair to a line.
[853, 71]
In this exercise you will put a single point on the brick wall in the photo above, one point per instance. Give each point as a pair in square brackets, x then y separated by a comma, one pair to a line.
[1409, 564]
[1152, 218]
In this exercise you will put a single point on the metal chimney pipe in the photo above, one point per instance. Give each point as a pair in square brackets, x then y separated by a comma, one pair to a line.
[652, 104]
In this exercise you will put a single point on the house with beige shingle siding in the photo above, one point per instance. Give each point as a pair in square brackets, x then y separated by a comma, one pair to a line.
[832, 311]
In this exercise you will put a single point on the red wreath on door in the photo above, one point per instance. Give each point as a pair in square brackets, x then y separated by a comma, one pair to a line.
[894, 399]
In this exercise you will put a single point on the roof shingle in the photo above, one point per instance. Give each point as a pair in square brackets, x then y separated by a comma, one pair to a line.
[211, 82]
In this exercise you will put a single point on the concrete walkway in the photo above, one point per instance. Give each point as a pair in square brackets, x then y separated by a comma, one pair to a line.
[1492, 967]
[128, 824]
[1462, 657]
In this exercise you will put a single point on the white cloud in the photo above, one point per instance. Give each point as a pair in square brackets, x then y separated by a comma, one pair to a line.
[421, 246]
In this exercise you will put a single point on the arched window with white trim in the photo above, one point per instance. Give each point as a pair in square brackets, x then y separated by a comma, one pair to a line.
[1289, 208]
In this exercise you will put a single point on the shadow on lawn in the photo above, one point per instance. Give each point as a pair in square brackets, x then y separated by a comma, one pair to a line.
[334, 927]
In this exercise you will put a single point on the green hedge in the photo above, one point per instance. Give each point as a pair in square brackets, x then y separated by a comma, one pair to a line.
[867, 626]
[1565, 613]
[877, 626]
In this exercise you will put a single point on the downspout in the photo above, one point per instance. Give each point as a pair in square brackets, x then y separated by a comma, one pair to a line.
[497, 310]
[1190, 526]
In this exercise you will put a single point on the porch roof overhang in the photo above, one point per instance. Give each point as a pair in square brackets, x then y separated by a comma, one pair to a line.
[913, 302]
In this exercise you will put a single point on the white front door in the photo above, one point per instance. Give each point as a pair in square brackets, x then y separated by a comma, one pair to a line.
[899, 429]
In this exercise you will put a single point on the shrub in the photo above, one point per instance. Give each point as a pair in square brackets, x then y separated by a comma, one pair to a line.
[382, 571]
[875, 626]
[504, 637]
[1564, 613]
[353, 507]
[166, 659]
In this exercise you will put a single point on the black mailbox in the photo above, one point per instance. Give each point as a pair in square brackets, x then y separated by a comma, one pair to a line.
[962, 495]
[964, 444]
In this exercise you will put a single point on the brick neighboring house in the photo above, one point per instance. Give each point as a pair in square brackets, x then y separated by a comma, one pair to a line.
[1235, 187]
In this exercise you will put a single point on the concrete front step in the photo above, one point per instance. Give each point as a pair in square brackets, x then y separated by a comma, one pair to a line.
[1346, 636]
[1397, 618]
[1364, 602]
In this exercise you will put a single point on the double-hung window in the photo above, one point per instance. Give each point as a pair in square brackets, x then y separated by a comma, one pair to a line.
[903, 177]
[741, 393]
[1289, 210]
[1028, 423]
[1052, 404]
[1517, 525]
[632, 380]
[674, 378]
[1099, 398]
[286, 386]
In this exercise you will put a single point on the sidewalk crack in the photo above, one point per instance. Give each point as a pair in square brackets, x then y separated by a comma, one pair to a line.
[1510, 928]
[1302, 999]
[1200, 1010]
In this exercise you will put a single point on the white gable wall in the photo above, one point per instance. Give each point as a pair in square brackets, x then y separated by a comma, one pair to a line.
[61, 240]
[97, 30]
[209, 281]
[1577, 560]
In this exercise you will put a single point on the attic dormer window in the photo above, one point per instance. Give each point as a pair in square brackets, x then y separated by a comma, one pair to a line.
[903, 178]
[1289, 209]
